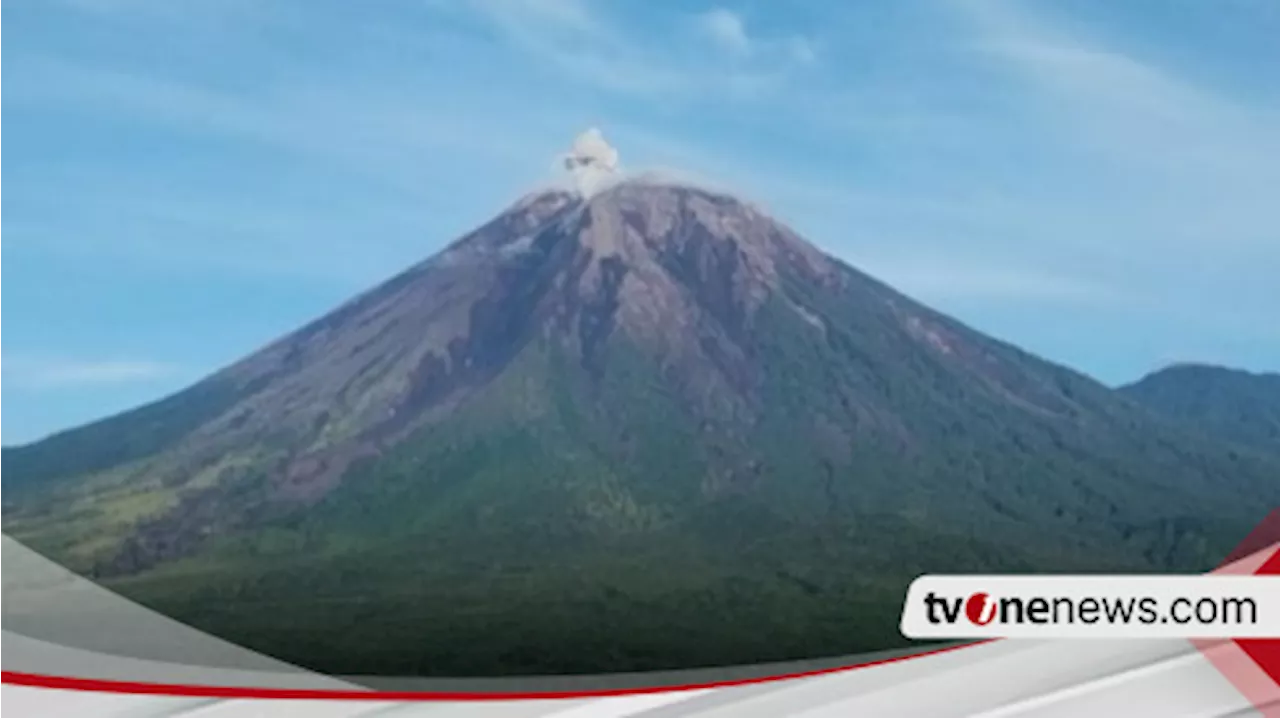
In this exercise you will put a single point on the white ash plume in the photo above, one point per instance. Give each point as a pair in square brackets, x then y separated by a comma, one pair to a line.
[592, 162]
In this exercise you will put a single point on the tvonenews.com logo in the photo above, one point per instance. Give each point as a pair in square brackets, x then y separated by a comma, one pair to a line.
[1092, 606]
[982, 609]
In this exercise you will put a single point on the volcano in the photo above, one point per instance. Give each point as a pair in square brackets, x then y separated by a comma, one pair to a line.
[637, 426]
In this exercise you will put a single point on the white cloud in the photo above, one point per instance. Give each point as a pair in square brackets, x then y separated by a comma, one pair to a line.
[34, 372]
[726, 29]
[592, 162]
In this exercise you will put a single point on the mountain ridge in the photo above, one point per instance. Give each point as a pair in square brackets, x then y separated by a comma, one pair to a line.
[1236, 405]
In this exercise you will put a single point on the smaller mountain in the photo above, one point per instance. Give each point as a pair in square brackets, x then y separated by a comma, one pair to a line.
[1232, 404]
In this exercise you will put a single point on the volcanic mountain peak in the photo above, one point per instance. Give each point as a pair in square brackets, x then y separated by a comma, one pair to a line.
[653, 220]
[674, 271]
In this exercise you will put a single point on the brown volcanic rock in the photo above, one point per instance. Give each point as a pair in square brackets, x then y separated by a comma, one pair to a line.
[679, 271]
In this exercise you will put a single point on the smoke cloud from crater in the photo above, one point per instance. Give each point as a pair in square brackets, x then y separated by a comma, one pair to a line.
[592, 162]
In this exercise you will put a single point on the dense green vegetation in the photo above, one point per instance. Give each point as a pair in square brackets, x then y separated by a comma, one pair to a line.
[517, 538]
[656, 601]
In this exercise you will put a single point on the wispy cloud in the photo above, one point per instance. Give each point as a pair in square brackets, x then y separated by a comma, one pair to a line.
[579, 41]
[1203, 158]
[375, 162]
[369, 129]
[726, 29]
[945, 281]
[37, 372]
[587, 44]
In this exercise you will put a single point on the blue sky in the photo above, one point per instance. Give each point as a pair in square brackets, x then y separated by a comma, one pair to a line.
[1095, 181]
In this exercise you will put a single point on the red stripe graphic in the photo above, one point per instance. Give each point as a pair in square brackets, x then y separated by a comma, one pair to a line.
[1266, 651]
[1252, 665]
[196, 691]
[1265, 534]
